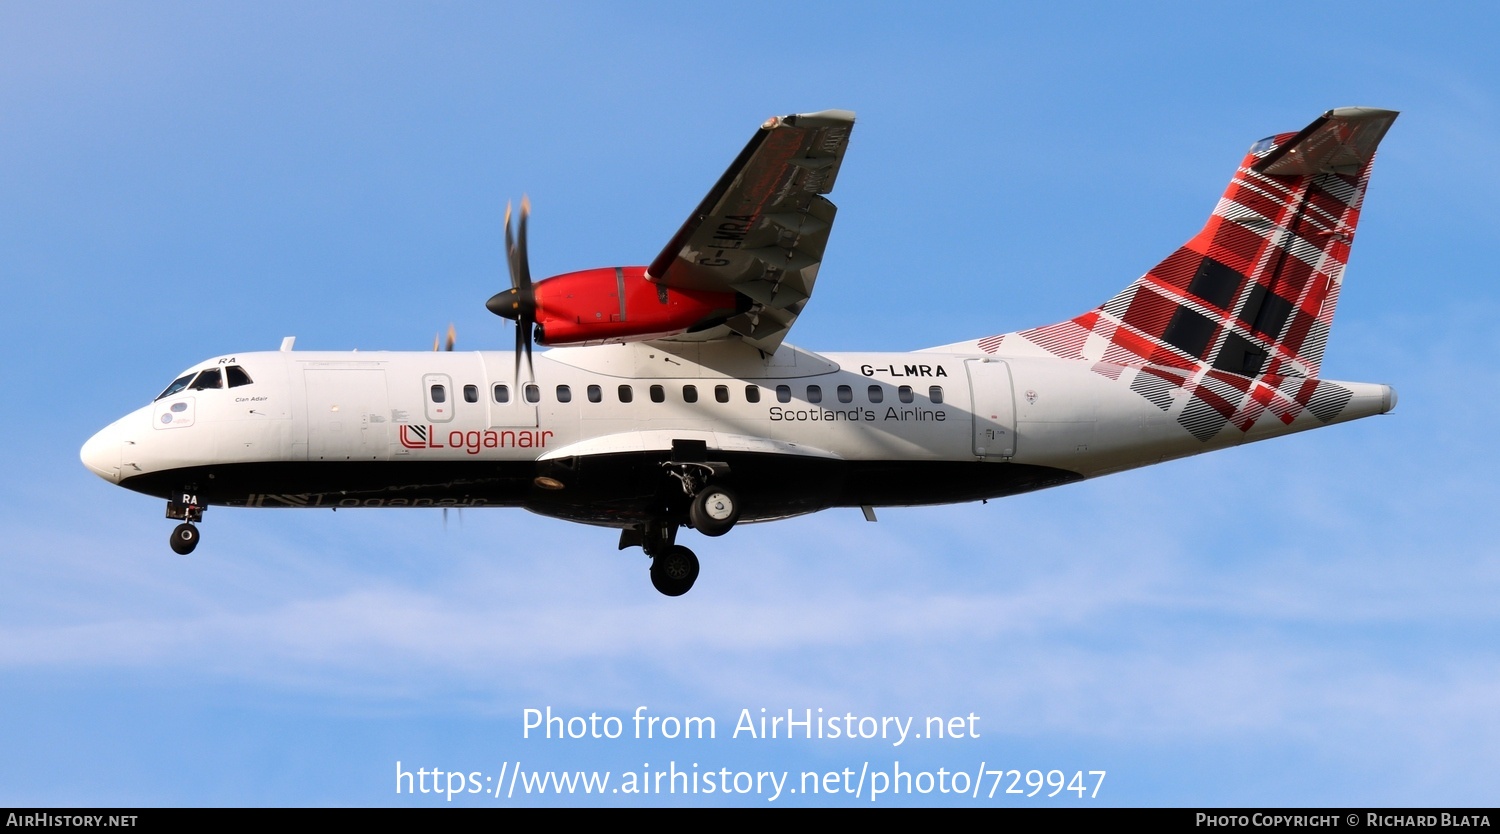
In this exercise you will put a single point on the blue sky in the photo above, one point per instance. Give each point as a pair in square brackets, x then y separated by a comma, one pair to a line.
[1308, 621]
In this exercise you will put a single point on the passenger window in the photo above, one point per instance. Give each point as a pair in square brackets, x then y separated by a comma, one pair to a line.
[846, 394]
[814, 393]
[210, 378]
[689, 393]
[236, 376]
[626, 393]
[533, 393]
[877, 394]
[752, 393]
[658, 394]
[502, 393]
[783, 393]
[471, 393]
[564, 394]
[935, 393]
[721, 393]
[439, 394]
[596, 394]
[904, 394]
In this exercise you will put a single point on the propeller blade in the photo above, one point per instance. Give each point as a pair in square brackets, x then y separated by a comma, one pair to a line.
[523, 346]
[526, 341]
[518, 302]
[521, 342]
[452, 338]
[523, 276]
[510, 249]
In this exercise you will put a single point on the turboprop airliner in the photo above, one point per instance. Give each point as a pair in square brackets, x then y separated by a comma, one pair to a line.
[669, 398]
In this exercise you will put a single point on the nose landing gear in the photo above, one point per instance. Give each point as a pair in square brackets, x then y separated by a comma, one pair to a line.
[185, 536]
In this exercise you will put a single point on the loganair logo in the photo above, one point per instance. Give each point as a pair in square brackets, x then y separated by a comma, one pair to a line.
[472, 441]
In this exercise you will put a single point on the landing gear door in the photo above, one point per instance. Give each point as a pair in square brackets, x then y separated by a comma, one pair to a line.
[994, 408]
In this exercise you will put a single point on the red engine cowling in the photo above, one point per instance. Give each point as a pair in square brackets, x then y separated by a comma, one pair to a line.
[618, 304]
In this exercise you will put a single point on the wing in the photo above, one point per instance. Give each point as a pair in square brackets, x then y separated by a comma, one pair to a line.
[762, 229]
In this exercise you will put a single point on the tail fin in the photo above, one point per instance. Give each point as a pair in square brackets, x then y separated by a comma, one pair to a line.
[1254, 292]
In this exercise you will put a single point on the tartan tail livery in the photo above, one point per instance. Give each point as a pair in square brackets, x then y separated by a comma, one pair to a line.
[1238, 316]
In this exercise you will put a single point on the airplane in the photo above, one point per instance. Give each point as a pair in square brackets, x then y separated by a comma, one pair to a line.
[669, 398]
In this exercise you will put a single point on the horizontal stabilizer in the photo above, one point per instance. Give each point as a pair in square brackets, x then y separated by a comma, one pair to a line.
[1339, 142]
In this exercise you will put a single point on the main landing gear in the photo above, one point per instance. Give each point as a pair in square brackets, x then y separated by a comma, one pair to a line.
[674, 568]
[185, 536]
[674, 571]
[712, 509]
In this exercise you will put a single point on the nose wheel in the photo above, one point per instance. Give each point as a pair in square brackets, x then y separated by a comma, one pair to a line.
[184, 538]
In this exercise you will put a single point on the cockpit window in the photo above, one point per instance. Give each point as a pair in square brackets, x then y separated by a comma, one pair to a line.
[177, 385]
[207, 378]
[211, 378]
[236, 376]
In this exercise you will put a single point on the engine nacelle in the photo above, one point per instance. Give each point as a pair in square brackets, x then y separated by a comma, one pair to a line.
[618, 304]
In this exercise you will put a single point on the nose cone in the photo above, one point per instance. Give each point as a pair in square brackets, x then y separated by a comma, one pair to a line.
[506, 303]
[101, 454]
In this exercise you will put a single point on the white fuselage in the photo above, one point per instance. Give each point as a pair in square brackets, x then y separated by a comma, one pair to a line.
[340, 429]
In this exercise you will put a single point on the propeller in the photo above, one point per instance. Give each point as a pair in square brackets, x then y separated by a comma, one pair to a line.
[519, 302]
[447, 345]
[445, 518]
[452, 337]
